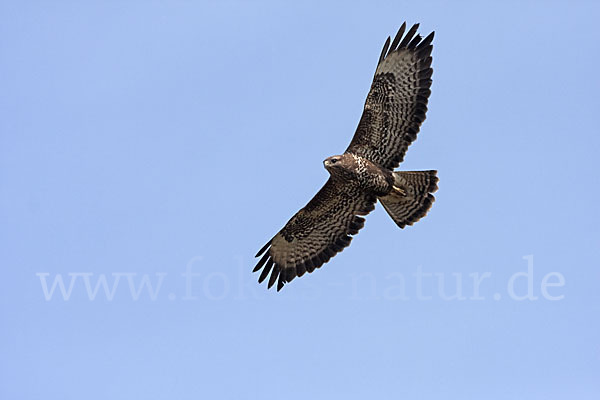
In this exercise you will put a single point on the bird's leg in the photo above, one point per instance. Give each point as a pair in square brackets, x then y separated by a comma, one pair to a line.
[398, 190]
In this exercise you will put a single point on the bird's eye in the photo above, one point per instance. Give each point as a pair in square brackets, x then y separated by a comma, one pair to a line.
[333, 160]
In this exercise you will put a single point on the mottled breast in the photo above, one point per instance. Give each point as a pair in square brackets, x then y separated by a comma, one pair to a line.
[369, 176]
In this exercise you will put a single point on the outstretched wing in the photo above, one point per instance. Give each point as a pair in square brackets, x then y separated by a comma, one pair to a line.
[316, 233]
[397, 101]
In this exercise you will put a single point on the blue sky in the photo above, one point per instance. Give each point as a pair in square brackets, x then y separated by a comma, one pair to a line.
[164, 143]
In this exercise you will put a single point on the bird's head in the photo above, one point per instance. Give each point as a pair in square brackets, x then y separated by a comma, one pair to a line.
[333, 163]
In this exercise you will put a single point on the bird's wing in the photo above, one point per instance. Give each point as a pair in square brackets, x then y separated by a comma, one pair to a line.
[316, 233]
[397, 102]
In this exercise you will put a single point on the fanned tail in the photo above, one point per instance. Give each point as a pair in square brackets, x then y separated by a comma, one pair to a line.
[411, 197]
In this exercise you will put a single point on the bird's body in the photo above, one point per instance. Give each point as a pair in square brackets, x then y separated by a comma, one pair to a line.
[368, 176]
[364, 173]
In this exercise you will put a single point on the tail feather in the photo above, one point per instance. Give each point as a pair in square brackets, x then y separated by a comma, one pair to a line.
[412, 197]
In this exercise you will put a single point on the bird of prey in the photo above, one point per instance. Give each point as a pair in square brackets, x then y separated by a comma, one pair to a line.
[393, 113]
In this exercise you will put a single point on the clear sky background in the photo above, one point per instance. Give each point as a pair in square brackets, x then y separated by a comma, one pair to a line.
[144, 141]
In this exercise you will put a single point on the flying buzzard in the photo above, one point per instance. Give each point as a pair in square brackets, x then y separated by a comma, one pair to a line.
[393, 113]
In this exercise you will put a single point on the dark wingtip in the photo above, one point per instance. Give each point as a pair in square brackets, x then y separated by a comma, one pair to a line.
[261, 262]
[264, 248]
[427, 41]
[409, 36]
[413, 43]
[398, 37]
[384, 50]
[265, 272]
[274, 275]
